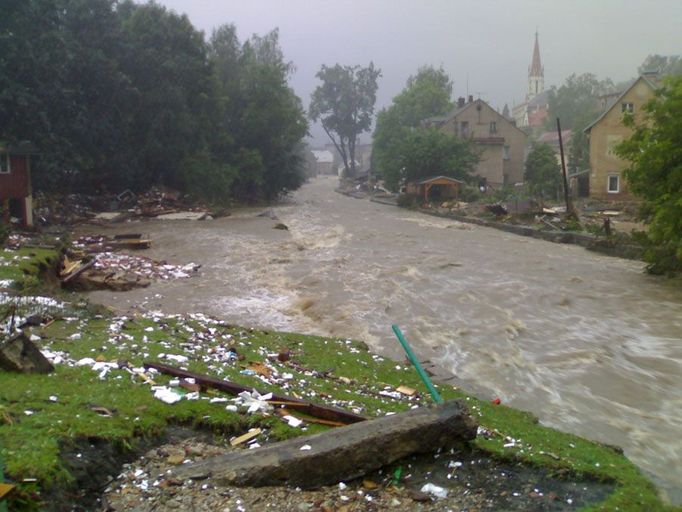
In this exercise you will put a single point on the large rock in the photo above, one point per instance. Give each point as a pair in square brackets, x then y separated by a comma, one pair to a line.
[19, 354]
[342, 453]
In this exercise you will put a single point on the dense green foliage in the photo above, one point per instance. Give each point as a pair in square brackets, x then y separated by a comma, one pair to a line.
[403, 149]
[655, 174]
[344, 104]
[575, 101]
[542, 173]
[428, 152]
[576, 104]
[120, 95]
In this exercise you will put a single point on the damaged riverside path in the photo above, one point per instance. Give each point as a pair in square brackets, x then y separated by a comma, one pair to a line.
[66, 435]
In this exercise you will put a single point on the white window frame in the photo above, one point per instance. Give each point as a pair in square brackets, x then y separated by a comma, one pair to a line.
[505, 152]
[493, 127]
[627, 107]
[608, 183]
[6, 168]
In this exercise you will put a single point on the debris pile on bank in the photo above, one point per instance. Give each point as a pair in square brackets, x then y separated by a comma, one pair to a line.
[156, 202]
[105, 269]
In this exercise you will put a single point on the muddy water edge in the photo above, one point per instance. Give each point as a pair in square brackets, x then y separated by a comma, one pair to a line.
[588, 343]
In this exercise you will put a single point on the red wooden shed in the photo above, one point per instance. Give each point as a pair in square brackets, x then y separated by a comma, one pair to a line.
[15, 182]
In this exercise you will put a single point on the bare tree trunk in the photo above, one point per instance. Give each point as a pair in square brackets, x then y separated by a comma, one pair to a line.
[340, 147]
[351, 148]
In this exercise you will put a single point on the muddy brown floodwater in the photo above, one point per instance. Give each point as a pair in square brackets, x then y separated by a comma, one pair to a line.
[588, 343]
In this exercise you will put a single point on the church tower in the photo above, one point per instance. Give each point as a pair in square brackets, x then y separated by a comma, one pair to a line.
[536, 73]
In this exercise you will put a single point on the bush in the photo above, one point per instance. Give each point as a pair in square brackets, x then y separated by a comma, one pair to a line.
[408, 200]
[470, 194]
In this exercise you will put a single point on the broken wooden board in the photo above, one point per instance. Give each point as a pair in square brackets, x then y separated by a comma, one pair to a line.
[406, 390]
[340, 454]
[318, 411]
[245, 437]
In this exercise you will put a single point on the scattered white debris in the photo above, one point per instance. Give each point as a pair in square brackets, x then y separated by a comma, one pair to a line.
[166, 394]
[434, 490]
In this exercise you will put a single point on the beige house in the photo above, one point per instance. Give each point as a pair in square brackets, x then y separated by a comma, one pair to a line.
[501, 145]
[607, 131]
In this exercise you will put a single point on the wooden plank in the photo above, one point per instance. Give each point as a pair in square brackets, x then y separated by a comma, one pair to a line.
[324, 412]
[245, 437]
[340, 454]
[79, 271]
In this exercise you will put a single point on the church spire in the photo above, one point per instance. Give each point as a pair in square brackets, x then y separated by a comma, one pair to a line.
[536, 73]
[536, 68]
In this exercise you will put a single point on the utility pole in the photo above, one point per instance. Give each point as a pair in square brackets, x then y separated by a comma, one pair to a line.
[570, 210]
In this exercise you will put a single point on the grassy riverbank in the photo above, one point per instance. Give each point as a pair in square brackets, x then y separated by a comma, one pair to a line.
[45, 418]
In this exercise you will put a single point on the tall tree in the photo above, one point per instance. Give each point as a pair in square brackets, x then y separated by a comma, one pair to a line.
[576, 99]
[344, 103]
[425, 95]
[263, 114]
[542, 173]
[167, 61]
[427, 152]
[655, 174]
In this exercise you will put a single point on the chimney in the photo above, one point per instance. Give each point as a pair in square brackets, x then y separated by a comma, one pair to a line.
[460, 102]
[471, 98]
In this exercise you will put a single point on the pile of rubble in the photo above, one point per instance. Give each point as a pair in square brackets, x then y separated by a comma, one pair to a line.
[119, 272]
[157, 202]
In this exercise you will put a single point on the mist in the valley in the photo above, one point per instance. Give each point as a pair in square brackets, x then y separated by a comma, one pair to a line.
[485, 47]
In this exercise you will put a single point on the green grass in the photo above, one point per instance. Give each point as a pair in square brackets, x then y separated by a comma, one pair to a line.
[325, 370]
[24, 266]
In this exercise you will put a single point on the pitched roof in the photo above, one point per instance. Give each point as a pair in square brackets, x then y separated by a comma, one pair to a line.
[536, 68]
[610, 105]
[539, 99]
[458, 110]
[434, 178]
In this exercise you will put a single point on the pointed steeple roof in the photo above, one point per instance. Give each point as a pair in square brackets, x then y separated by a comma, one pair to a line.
[536, 68]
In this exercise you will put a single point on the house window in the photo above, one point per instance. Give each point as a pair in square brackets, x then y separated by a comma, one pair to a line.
[627, 107]
[614, 184]
[505, 152]
[4, 164]
[493, 127]
[464, 129]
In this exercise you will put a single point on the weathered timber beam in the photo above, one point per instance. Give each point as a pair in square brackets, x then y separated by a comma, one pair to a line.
[340, 454]
[324, 412]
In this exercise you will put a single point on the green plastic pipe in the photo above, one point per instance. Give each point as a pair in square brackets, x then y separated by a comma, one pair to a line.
[415, 362]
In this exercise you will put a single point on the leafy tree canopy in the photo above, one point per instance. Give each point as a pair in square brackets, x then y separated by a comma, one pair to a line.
[425, 95]
[427, 152]
[655, 174]
[118, 94]
[542, 173]
[344, 103]
[576, 100]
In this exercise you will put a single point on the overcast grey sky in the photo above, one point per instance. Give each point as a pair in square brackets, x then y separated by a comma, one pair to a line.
[491, 41]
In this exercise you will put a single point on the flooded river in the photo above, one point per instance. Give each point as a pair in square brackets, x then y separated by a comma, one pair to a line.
[588, 343]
